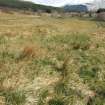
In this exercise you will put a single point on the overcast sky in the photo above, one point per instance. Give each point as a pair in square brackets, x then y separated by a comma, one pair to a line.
[59, 2]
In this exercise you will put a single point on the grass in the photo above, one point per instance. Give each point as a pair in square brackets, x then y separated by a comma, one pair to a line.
[13, 97]
[56, 102]
[51, 61]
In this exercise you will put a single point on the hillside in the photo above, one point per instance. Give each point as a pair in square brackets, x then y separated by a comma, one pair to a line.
[89, 6]
[25, 5]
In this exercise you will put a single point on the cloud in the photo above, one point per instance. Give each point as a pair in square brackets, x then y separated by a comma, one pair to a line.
[59, 2]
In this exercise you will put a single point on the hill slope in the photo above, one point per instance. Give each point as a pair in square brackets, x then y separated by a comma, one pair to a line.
[75, 8]
[24, 5]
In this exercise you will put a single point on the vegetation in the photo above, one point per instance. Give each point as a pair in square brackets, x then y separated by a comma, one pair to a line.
[25, 5]
[51, 61]
[100, 10]
[13, 97]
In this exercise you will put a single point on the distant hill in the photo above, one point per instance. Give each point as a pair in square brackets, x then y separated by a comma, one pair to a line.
[25, 5]
[75, 8]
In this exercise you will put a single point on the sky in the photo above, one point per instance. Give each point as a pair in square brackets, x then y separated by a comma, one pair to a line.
[58, 3]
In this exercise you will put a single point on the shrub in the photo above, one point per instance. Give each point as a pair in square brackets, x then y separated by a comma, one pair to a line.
[27, 52]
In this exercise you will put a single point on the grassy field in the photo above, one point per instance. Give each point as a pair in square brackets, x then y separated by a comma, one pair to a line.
[51, 61]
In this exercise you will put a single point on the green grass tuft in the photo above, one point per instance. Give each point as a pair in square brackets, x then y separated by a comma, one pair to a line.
[13, 97]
